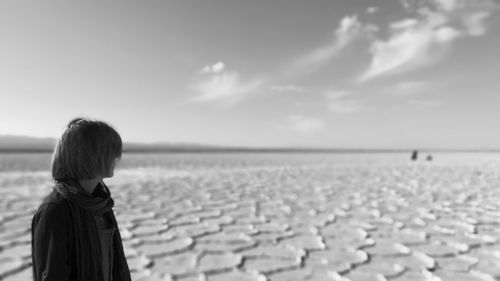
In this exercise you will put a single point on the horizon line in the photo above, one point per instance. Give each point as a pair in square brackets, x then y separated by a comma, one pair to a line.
[229, 150]
[40, 145]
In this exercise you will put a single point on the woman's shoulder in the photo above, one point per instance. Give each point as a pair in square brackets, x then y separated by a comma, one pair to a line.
[54, 198]
[53, 206]
[52, 220]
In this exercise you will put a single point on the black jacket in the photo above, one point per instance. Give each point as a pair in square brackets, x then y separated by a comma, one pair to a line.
[53, 244]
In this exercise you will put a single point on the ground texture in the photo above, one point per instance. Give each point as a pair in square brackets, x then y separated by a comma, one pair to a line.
[314, 221]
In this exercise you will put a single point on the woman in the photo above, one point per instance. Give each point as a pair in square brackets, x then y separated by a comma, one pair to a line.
[74, 232]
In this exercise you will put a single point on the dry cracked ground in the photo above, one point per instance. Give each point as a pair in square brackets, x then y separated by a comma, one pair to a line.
[303, 221]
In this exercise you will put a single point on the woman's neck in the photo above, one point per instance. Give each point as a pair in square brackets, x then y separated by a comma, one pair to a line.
[89, 185]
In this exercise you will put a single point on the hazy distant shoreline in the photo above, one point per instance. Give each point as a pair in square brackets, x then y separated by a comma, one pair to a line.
[26, 144]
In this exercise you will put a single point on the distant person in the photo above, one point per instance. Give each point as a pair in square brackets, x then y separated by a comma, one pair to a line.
[414, 155]
[429, 157]
[74, 232]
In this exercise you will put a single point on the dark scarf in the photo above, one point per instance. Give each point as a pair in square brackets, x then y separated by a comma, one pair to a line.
[83, 208]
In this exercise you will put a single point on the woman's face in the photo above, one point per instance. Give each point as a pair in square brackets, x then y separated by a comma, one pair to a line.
[112, 168]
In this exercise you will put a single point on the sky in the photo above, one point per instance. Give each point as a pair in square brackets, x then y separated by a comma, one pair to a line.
[273, 73]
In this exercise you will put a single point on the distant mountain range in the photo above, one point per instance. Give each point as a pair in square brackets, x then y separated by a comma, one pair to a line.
[14, 143]
[11, 143]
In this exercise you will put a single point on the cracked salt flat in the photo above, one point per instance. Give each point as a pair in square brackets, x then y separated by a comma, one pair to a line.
[292, 219]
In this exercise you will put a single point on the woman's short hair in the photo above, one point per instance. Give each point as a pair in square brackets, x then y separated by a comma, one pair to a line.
[87, 149]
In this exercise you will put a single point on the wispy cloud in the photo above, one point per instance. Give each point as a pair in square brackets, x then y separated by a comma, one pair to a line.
[350, 28]
[343, 102]
[222, 86]
[287, 88]
[406, 88]
[215, 68]
[475, 23]
[424, 39]
[372, 10]
[306, 125]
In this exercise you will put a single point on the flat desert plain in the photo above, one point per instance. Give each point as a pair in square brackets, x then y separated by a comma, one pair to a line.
[278, 217]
